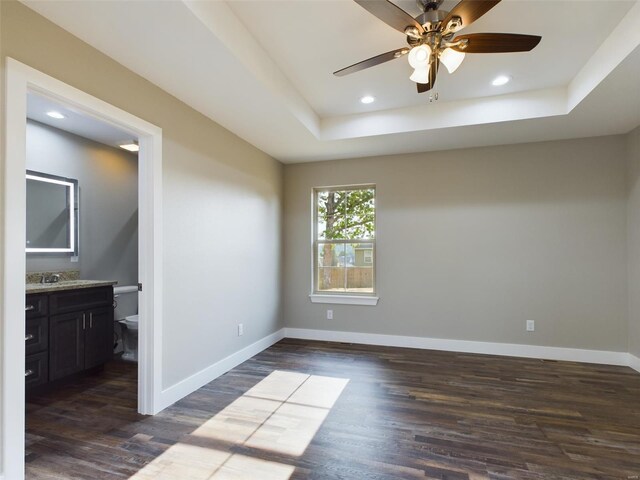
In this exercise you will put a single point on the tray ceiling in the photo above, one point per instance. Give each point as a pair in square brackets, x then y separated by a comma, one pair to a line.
[263, 69]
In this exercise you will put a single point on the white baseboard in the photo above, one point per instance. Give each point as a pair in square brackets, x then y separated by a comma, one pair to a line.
[634, 362]
[189, 385]
[465, 346]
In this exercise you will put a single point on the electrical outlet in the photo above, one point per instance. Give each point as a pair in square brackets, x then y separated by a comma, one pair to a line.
[531, 326]
[329, 314]
[240, 329]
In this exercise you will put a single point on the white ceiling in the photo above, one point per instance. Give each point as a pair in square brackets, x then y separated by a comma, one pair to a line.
[75, 122]
[343, 33]
[263, 70]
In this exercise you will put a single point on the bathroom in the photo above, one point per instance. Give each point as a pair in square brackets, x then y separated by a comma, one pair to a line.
[81, 251]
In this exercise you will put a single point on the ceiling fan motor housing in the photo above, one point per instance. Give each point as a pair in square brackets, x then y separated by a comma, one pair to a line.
[425, 5]
[431, 19]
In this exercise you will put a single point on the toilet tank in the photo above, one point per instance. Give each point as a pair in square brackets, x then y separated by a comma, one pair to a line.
[126, 299]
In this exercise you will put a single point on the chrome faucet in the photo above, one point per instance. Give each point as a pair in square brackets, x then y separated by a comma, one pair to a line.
[54, 278]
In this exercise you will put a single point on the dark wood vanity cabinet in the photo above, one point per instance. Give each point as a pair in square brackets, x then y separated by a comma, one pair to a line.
[74, 334]
[99, 327]
[66, 350]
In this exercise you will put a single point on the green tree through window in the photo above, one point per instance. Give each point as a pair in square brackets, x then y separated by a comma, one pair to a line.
[344, 240]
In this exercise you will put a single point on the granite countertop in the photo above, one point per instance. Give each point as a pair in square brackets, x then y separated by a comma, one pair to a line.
[67, 285]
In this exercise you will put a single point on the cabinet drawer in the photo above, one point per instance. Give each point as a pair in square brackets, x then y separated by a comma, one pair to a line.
[36, 370]
[36, 306]
[81, 299]
[36, 335]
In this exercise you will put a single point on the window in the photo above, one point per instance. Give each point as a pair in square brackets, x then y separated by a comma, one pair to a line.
[344, 240]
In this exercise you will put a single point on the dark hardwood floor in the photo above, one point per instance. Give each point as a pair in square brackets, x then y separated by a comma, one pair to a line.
[403, 414]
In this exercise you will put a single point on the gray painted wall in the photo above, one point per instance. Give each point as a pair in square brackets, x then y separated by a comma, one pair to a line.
[222, 202]
[633, 243]
[108, 185]
[472, 243]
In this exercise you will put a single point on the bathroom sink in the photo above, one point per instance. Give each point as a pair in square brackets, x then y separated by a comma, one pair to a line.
[66, 285]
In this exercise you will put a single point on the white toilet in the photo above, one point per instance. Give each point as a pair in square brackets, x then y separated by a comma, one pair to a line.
[126, 314]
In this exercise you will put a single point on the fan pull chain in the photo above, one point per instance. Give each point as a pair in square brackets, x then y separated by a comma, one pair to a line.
[433, 97]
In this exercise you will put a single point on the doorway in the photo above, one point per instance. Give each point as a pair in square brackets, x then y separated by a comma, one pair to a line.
[22, 80]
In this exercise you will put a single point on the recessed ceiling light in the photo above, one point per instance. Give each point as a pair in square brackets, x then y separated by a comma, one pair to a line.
[54, 114]
[500, 80]
[367, 99]
[132, 147]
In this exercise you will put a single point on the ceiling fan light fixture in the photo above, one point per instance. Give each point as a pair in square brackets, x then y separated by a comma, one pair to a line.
[420, 75]
[419, 56]
[451, 59]
[430, 38]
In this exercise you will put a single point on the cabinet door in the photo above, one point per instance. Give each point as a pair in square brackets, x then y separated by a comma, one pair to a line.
[98, 347]
[66, 344]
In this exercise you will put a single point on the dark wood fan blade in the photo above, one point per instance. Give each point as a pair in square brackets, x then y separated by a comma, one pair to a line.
[371, 62]
[390, 14]
[469, 11]
[497, 42]
[433, 73]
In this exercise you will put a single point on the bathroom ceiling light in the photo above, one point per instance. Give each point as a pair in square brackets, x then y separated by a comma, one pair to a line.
[132, 147]
[56, 115]
[367, 99]
[500, 80]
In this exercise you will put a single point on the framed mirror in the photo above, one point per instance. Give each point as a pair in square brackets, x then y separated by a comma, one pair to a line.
[52, 214]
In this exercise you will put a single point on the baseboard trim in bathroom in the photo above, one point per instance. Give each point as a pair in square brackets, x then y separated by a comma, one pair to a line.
[189, 385]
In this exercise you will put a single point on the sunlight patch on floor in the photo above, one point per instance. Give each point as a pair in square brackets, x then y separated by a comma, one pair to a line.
[241, 467]
[294, 423]
[289, 430]
[183, 461]
[278, 385]
[281, 414]
[237, 422]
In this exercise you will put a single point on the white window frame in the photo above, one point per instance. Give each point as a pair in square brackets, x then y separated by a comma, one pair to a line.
[344, 298]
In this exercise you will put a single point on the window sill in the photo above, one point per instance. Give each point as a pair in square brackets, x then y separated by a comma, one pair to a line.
[344, 299]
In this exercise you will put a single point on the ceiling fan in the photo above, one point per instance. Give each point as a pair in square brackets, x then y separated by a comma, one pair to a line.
[431, 40]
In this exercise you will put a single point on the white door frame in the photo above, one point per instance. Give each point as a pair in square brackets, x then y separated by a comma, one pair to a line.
[21, 79]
